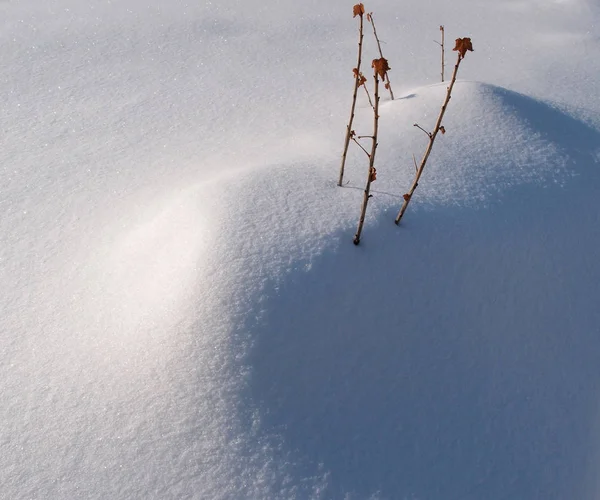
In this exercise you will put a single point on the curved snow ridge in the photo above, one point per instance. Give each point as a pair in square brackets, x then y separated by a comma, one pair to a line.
[495, 139]
[278, 217]
[274, 222]
[265, 225]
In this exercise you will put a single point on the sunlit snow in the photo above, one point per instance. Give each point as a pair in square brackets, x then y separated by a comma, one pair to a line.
[183, 313]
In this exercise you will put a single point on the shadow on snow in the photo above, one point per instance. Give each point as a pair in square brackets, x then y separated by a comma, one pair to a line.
[453, 357]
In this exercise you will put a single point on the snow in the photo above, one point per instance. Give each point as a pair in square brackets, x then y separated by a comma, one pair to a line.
[183, 312]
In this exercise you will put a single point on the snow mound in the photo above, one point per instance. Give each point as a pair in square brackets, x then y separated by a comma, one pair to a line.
[495, 139]
[268, 357]
[357, 366]
[183, 313]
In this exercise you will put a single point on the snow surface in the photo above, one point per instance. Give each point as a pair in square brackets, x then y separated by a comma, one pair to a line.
[183, 312]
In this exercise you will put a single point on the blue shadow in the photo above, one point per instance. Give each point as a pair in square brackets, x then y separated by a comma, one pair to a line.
[469, 367]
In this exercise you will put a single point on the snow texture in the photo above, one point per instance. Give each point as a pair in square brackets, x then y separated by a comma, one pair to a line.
[183, 312]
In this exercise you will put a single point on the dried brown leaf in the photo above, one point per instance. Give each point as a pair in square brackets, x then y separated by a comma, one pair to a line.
[358, 10]
[462, 45]
[381, 67]
[361, 78]
[372, 174]
[442, 129]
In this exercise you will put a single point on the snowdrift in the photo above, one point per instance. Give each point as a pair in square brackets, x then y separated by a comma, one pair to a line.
[183, 313]
[463, 340]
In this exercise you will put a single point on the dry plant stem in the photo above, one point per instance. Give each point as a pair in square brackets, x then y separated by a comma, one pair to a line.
[360, 145]
[432, 136]
[442, 44]
[387, 78]
[367, 195]
[368, 95]
[421, 128]
[356, 85]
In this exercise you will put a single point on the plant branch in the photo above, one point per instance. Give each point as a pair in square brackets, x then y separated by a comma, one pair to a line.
[368, 95]
[436, 129]
[357, 79]
[421, 128]
[360, 145]
[387, 78]
[442, 46]
[371, 176]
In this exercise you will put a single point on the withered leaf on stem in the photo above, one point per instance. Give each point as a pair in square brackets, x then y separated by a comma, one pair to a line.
[358, 10]
[442, 129]
[361, 78]
[406, 196]
[369, 16]
[462, 45]
[381, 66]
[373, 174]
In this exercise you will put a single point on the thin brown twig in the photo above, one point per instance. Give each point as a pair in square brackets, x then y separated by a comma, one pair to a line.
[372, 172]
[442, 45]
[438, 126]
[421, 128]
[368, 95]
[360, 145]
[387, 78]
[357, 79]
